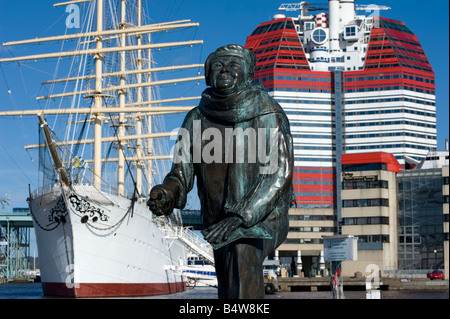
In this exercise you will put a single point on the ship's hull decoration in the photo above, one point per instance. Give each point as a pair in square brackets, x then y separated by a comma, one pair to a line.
[102, 256]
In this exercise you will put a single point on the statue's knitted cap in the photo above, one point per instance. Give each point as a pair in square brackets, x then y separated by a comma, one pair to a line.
[248, 56]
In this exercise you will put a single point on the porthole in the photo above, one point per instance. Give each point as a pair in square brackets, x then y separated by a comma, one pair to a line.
[319, 36]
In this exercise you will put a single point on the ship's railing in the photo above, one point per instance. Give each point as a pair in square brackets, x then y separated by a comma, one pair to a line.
[191, 240]
[193, 237]
[84, 190]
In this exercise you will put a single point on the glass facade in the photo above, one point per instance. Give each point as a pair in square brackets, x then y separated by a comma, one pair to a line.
[420, 213]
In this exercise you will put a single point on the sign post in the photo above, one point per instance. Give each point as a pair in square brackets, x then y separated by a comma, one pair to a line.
[337, 249]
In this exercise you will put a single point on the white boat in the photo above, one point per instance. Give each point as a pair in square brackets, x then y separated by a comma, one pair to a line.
[94, 244]
[96, 239]
[200, 272]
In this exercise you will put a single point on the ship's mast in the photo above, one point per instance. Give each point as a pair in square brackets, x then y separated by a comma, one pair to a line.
[149, 119]
[98, 101]
[121, 127]
[143, 108]
[139, 100]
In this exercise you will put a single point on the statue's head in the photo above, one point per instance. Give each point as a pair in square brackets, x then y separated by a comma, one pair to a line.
[229, 69]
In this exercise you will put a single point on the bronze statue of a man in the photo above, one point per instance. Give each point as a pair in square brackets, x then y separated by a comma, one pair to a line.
[238, 145]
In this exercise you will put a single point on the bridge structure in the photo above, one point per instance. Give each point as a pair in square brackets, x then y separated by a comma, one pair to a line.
[15, 230]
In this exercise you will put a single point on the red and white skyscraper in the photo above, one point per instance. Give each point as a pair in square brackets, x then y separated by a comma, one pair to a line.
[349, 83]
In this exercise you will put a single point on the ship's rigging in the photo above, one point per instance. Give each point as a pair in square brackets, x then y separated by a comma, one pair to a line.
[102, 144]
[112, 85]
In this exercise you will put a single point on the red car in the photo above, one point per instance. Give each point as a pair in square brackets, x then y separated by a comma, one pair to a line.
[437, 274]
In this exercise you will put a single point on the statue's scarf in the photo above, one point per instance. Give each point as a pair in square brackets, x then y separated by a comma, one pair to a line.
[247, 104]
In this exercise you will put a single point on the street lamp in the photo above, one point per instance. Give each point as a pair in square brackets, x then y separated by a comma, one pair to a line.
[435, 258]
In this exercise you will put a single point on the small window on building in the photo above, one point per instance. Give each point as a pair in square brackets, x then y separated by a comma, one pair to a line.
[309, 26]
[350, 31]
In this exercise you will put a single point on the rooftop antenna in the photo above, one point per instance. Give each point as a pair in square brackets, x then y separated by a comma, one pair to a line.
[371, 7]
[304, 7]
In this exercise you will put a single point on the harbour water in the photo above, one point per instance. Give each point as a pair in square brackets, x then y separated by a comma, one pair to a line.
[34, 291]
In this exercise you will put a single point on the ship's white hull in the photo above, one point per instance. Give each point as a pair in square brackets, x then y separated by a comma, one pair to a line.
[98, 246]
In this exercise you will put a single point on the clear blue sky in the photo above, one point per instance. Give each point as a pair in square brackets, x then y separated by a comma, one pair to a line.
[221, 22]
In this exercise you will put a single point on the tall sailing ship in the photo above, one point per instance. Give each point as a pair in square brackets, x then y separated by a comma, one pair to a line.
[95, 235]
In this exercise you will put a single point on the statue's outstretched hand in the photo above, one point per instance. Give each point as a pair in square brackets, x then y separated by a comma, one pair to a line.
[161, 201]
[221, 231]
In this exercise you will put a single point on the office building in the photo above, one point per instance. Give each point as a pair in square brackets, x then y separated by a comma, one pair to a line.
[350, 82]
